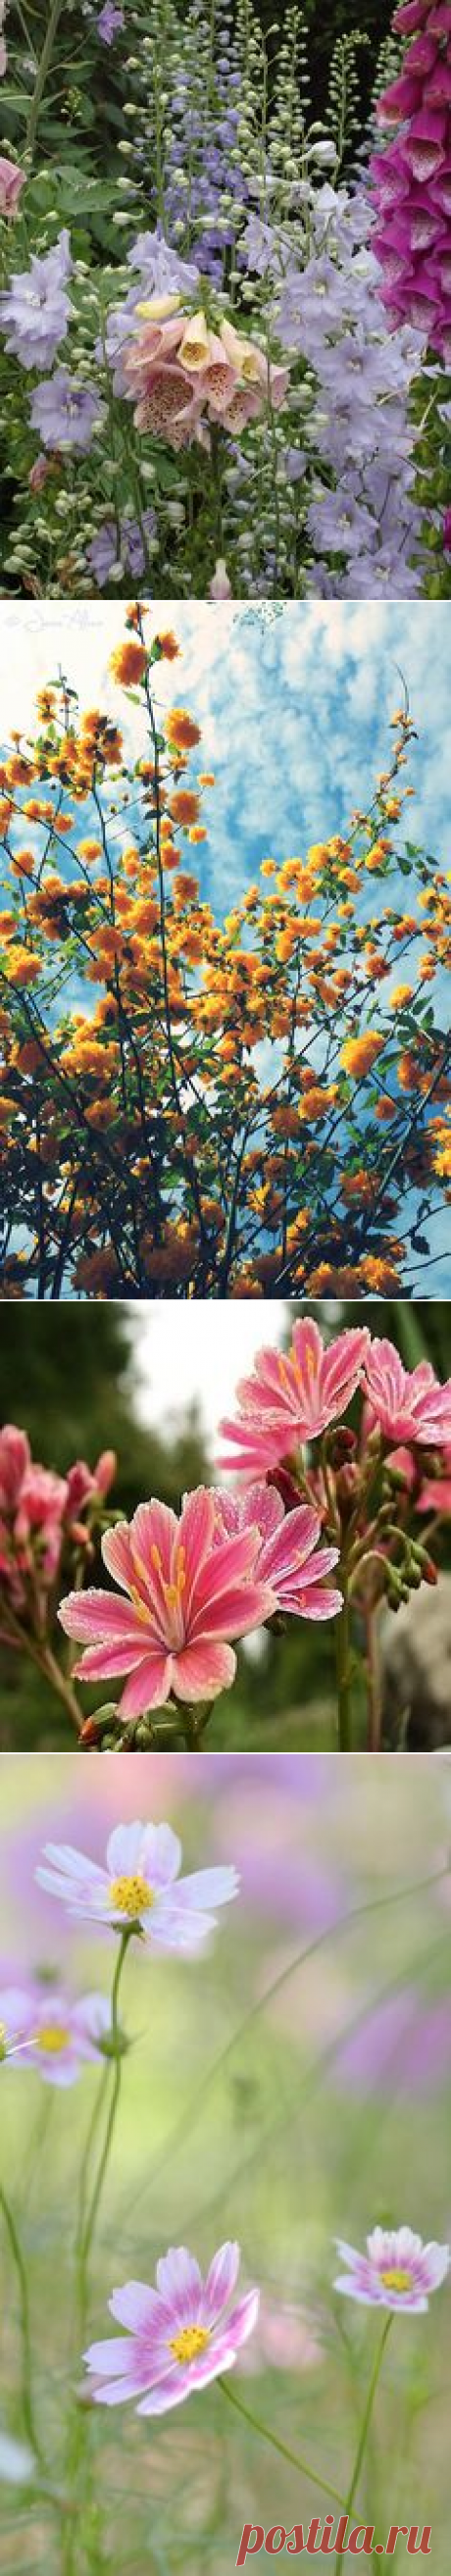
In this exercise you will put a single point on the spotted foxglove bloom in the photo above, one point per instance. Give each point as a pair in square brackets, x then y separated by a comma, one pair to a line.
[292, 1397]
[289, 1558]
[184, 1597]
[139, 1886]
[40, 2027]
[407, 1403]
[397, 2271]
[178, 2335]
[412, 175]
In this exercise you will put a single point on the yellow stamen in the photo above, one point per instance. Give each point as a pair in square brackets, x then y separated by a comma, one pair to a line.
[397, 2280]
[190, 2341]
[130, 1896]
[140, 1609]
[51, 2038]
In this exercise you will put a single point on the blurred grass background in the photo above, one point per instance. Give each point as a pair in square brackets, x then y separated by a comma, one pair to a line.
[69, 1376]
[296, 2137]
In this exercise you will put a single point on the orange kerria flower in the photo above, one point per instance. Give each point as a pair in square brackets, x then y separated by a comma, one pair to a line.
[45, 703]
[168, 645]
[184, 805]
[62, 823]
[89, 850]
[128, 663]
[18, 771]
[207, 778]
[197, 832]
[111, 745]
[181, 729]
[359, 1054]
[23, 967]
[385, 1108]
[23, 863]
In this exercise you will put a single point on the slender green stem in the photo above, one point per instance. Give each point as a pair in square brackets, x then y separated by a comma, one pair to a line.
[41, 77]
[61, 1684]
[78, 2464]
[365, 2425]
[24, 2313]
[342, 1648]
[87, 2227]
[266, 2435]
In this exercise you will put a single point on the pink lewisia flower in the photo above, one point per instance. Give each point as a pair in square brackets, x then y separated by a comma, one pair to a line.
[185, 1597]
[397, 2271]
[12, 180]
[408, 1404]
[140, 1886]
[435, 1492]
[291, 1398]
[289, 1558]
[178, 2336]
[15, 1456]
[41, 2028]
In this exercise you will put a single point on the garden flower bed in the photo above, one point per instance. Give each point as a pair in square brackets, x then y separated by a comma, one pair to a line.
[225, 319]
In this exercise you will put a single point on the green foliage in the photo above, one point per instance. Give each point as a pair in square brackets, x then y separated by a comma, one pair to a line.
[70, 1383]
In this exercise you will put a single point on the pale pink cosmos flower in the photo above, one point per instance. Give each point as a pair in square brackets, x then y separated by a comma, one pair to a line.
[139, 1887]
[41, 2027]
[184, 1597]
[12, 180]
[292, 1397]
[408, 1404]
[178, 2335]
[397, 2271]
[289, 1557]
[286, 2339]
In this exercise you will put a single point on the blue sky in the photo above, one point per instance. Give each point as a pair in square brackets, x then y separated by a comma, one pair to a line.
[294, 711]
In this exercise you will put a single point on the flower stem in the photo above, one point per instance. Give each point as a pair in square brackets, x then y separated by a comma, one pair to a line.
[267, 2435]
[374, 1690]
[24, 2312]
[41, 77]
[88, 2225]
[342, 1648]
[61, 1684]
[365, 2425]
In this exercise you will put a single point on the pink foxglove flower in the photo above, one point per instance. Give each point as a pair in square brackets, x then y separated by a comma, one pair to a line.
[292, 1397]
[178, 2336]
[40, 2027]
[186, 377]
[184, 1597]
[140, 1885]
[289, 1557]
[408, 1404]
[412, 178]
[397, 2271]
[220, 587]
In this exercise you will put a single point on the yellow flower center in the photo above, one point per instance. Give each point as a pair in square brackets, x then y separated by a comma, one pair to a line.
[51, 2038]
[130, 1896]
[190, 2341]
[397, 2280]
